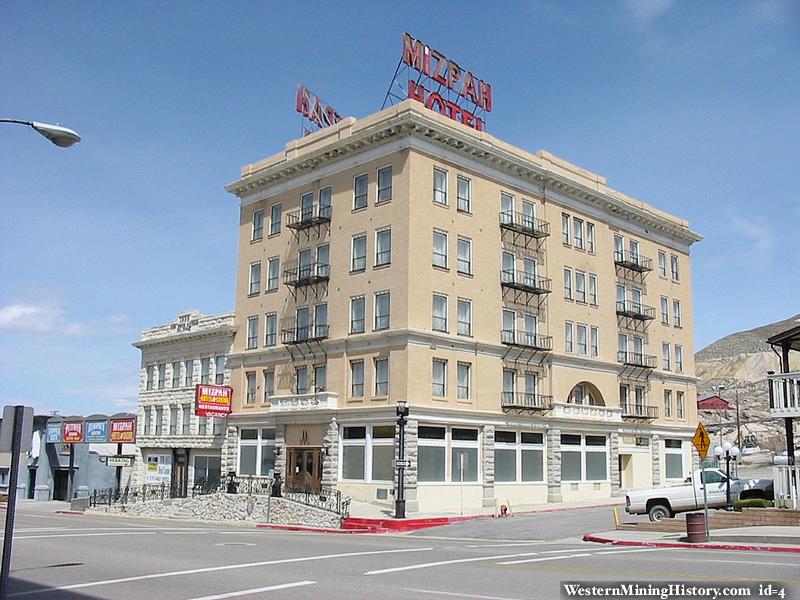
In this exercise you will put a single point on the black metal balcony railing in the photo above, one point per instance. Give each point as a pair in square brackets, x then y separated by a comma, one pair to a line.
[635, 310]
[633, 261]
[637, 360]
[309, 333]
[526, 282]
[526, 339]
[525, 400]
[298, 275]
[525, 224]
[639, 411]
[306, 217]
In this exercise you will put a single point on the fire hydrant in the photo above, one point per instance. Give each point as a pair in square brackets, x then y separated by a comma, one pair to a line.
[503, 510]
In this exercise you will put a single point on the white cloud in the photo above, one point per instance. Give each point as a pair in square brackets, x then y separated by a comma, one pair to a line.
[648, 10]
[759, 237]
[49, 319]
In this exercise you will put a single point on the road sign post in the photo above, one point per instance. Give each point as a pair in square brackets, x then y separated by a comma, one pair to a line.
[702, 443]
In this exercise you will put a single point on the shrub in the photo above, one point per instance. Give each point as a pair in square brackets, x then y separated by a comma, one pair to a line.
[753, 503]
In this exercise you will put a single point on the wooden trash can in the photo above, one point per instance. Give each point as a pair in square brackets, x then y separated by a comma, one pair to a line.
[696, 528]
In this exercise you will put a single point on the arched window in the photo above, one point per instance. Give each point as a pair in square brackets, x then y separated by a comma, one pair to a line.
[586, 393]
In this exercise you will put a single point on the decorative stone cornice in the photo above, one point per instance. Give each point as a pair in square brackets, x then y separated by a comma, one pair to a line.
[221, 331]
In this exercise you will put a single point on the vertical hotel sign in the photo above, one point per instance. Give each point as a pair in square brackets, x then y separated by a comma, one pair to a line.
[453, 85]
[213, 400]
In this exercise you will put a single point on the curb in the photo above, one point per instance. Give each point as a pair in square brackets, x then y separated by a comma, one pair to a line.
[303, 529]
[704, 546]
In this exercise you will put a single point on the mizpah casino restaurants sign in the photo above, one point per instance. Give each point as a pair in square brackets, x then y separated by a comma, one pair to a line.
[448, 78]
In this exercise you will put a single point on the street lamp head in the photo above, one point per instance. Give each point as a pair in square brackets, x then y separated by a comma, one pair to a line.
[718, 451]
[402, 408]
[720, 387]
[63, 137]
[726, 445]
[734, 451]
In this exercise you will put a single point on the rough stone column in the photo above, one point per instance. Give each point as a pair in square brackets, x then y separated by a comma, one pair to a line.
[554, 465]
[488, 465]
[330, 462]
[655, 453]
[280, 450]
[230, 448]
[614, 464]
[411, 454]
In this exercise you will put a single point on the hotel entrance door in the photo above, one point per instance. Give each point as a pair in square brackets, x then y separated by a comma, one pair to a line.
[304, 469]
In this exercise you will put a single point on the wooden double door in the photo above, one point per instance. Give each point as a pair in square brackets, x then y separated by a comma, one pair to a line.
[304, 469]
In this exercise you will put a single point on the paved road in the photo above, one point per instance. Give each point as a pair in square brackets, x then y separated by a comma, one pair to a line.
[82, 557]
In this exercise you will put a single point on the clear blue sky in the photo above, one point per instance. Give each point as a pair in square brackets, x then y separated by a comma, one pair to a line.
[691, 106]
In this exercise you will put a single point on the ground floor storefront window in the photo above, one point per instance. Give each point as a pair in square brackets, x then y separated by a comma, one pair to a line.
[518, 457]
[207, 470]
[367, 453]
[673, 459]
[584, 457]
[257, 452]
[433, 445]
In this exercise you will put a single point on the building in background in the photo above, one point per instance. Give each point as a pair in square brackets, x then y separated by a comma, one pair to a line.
[175, 446]
[538, 322]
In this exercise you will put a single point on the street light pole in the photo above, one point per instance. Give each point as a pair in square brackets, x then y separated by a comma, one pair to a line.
[731, 452]
[720, 387]
[400, 499]
[63, 137]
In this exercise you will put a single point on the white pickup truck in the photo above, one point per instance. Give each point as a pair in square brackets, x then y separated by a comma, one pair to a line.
[663, 502]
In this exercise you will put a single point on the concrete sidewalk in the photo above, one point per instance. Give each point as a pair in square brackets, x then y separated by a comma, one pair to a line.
[38, 506]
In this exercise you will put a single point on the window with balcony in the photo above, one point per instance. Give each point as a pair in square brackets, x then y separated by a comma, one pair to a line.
[257, 232]
[250, 378]
[381, 376]
[384, 185]
[359, 253]
[325, 195]
[439, 312]
[255, 278]
[463, 382]
[271, 329]
[321, 320]
[301, 324]
[464, 255]
[323, 260]
[506, 209]
[440, 248]
[508, 262]
[252, 333]
[439, 378]
[382, 308]
[275, 219]
[273, 273]
[357, 314]
[464, 316]
[357, 378]
[509, 386]
[440, 186]
[307, 207]
[383, 247]
[464, 192]
[360, 191]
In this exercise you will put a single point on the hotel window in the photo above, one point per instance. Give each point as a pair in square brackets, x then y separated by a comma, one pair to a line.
[665, 356]
[509, 385]
[509, 322]
[584, 457]
[464, 317]
[255, 278]
[676, 312]
[440, 186]
[275, 219]
[382, 301]
[252, 332]
[360, 191]
[567, 283]
[623, 396]
[667, 404]
[582, 340]
[381, 376]
[464, 454]
[577, 228]
[662, 263]
[159, 420]
[251, 387]
[506, 208]
[463, 381]
[439, 312]
[439, 378]
[464, 194]
[162, 376]
[301, 322]
[186, 419]
[665, 310]
[590, 237]
[431, 453]
[321, 320]
[258, 225]
[383, 246]
[619, 248]
[269, 384]
[639, 393]
[202, 425]
[176, 374]
[320, 378]
[673, 457]
[173, 420]
[273, 273]
[634, 247]
[508, 452]
[673, 260]
[359, 259]
[271, 329]
[256, 451]
[205, 370]
[307, 206]
[593, 290]
[439, 248]
[357, 314]
[147, 420]
[565, 228]
[568, 347]
[384, 185]
[301, 380]
[622, 346]
[595, 344]
[325, 202]
[464, 255]
[357, 378]
[678, 358]
[509, 265]
[679, 405]
[219, 370]
[531, 384]
[188, 373]
[580, 286]
[323, 260]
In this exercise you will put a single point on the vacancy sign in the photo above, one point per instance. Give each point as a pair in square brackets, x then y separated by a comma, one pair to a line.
[213, 400]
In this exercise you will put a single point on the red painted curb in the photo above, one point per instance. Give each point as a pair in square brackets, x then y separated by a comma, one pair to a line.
[706, 546]
[302, 528]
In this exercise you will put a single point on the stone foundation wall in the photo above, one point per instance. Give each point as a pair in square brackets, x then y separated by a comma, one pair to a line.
[231, 507]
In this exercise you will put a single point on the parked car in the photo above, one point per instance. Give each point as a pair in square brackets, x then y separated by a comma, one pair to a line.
[662, 502]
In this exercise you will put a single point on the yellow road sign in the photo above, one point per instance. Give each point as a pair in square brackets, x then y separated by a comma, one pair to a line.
[701, 441]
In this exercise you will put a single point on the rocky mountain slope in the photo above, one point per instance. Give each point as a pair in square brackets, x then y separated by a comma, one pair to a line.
[740, 362]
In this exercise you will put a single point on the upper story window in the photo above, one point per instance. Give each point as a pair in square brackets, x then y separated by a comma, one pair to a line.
[325, 202]
[665, 310]
[205, 370]
[271, 329]
[676, 313]
[360, 191]
[258, 225]
[357, 314]
[356, 378]
[219, 370]
[250, 376]
[666, 351]
[255, 278]
[464, 255]
[273, 273]
[569, 347]
[252, 332]
[678, 358]
[359, 259]
[307, 206]
[440, 248]
[565, 233]
[147, 420]
[149, 375]
[593, 289]
[301, 380]
[439, 312]
[464, 193]
[580, 286]
[567, 283]
[440, 186]
[439, 378]
[382, 303]
[320, 378]
[381, 376]
[673, 260]
[662, 263]
[176, 374]
[275, 219]
[384, 184]
[590, 237]
[162, 376]
[188, 372]
[464, 317]
[577, 227]
[383, 246]
[679, 405]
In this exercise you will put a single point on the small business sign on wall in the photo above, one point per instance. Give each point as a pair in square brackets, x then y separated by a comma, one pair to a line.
[159, 469]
